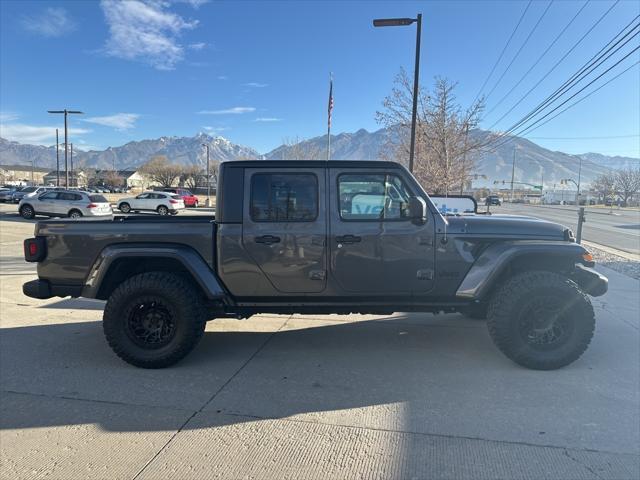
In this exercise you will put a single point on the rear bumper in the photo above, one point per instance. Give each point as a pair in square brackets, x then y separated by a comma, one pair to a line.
[592, 282]
[43, 289]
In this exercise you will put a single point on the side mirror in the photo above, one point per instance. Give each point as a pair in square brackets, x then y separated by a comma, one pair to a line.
[417, 209]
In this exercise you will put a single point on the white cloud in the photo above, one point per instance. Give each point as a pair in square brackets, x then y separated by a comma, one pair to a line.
[35, 134]
[145, 31]
[222, 77]
[8, 117]
[255, 85]
[194, 3]
[216, 129]
[226, 111]
[119, 121]
[52, 22]
[197, 46]
[267, 119]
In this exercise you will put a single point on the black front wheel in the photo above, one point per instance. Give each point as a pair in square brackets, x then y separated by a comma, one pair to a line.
[153, 320]
[541, 320]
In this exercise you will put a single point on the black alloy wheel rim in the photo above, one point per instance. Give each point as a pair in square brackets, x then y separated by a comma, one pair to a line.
[27, 212]
[150, 324]
[545, 323]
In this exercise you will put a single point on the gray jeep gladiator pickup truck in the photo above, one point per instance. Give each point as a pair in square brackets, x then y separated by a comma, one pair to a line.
[321, 237]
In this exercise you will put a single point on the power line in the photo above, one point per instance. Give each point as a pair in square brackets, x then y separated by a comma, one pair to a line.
[504, 49]
[520, 49]
[591, 93]
[524, 130]
[540, 57]
[577, 77]
[575, 45]
[589, 138]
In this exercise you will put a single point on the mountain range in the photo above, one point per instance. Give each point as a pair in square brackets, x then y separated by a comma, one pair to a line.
[533, 163]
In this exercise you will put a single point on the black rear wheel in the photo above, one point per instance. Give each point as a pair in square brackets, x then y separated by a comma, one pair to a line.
[153, 320]
[162, 210]
[27, 212]
[541, 320]
[124, 207]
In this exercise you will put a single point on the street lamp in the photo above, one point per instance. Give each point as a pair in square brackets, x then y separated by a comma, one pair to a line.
[401, 22]
[65, 112]
[208, 202]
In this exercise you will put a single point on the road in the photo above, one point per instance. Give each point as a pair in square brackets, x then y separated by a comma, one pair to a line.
[620, 230]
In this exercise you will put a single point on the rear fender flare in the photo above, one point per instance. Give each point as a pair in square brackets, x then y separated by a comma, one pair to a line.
[186, 256]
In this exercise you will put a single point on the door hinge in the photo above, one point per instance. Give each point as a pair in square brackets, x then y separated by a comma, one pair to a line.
[425, 274]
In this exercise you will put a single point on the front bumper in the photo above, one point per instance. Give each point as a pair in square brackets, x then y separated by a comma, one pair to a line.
[43, 289]
[592, 282]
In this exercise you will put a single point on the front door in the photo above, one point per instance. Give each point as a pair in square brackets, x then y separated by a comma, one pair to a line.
[285, 227]
[375, 248]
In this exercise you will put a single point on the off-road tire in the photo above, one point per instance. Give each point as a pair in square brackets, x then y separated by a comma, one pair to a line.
[124, 207]
[75, 214]
[186, 311]
[162, 210]
[27, 212]
[510, 310]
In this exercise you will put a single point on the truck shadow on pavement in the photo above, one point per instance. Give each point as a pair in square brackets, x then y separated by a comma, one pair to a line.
[411, 373]
[304, 370]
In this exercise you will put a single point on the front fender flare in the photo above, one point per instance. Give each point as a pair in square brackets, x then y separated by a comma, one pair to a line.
[189, 258]
[496, 258]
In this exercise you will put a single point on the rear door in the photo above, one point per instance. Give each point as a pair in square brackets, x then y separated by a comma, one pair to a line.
[285, 228]
[374, 246]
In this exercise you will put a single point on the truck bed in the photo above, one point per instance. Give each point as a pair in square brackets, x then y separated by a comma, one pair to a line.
[73, 246]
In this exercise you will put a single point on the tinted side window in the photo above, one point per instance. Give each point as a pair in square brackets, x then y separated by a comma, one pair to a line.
[69, 196]
[373, 197]
[282, 197]
[48, 196]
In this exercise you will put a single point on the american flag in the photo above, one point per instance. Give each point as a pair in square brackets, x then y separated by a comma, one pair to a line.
[330, 108]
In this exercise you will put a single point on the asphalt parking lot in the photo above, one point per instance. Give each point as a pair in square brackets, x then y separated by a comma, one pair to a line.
[402, 396]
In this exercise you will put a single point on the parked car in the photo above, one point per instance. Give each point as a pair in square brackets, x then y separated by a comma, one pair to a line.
[190, 200]
[321, 237]
[28, 192]
[164, 203]
[65, 203]
[6, 193]
[493, 200]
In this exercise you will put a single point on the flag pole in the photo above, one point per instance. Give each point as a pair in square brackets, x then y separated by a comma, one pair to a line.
[329, 109]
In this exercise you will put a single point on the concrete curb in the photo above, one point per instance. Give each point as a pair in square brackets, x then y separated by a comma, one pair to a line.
[613, 251]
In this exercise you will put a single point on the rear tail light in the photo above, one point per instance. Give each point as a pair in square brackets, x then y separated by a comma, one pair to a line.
[35, 249]
[92, 205]
[173, 201]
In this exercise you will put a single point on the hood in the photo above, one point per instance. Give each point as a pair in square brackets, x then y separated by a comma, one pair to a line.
[506, 225]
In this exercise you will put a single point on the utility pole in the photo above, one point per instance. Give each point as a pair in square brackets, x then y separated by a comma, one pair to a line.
[57, 160]
[33, 166]
[66, 139]
[208, 202]
[73, 183]
[513, 171]
[578, 185]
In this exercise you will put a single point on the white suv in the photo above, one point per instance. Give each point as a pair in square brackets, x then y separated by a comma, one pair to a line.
[164, 203]
[64, 203]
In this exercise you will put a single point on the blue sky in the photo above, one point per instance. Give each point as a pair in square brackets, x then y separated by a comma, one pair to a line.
[257, 72]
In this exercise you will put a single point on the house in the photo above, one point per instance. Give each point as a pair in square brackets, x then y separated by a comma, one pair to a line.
[22, 174]
[132, 179]
[77, 178]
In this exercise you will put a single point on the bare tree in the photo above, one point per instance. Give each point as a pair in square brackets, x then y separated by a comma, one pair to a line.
[112, 179]
[192, 176]
[604, 185]
[444, 145]
[159, 170]
[627, 183]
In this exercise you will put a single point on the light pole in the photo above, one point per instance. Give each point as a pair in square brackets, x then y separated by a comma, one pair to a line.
[513, 171]
[73, 184]
[57, 160]
[207, 203]
[65, 112]
[401, 22]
